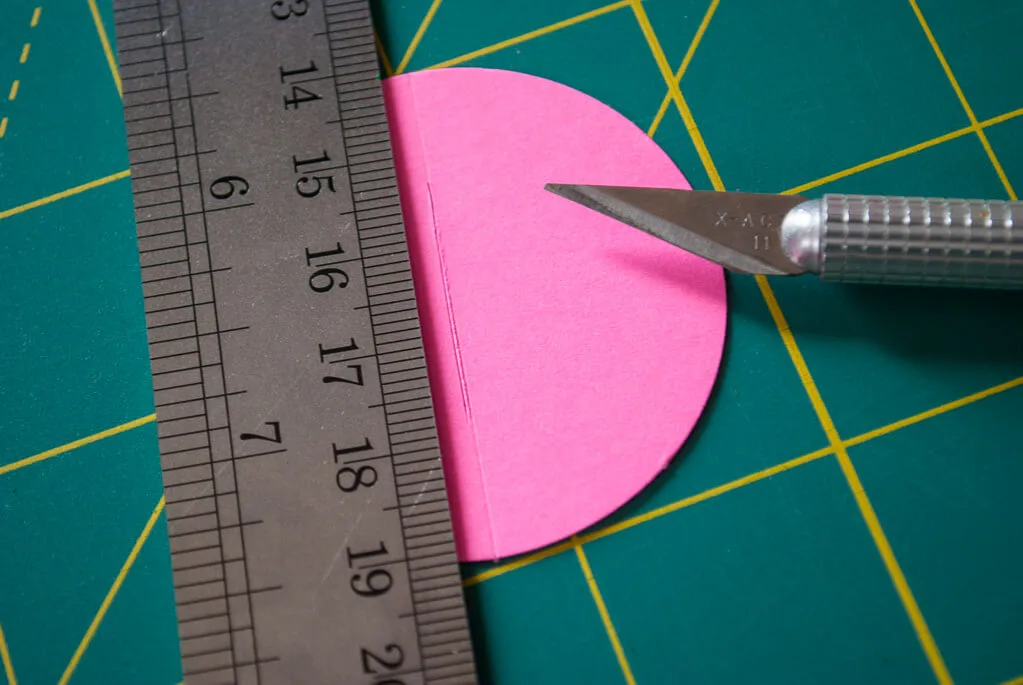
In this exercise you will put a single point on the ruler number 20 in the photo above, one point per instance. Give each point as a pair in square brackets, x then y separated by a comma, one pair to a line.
[393, 658]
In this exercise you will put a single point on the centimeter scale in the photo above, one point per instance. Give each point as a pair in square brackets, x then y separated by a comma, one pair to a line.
[310, 533]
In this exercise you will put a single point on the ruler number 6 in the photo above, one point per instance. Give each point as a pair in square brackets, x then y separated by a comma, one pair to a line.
[226, 186]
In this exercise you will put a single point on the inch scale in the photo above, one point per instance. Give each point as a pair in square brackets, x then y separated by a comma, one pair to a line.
[310, 533]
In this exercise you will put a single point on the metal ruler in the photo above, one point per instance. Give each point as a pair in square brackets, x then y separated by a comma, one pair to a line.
[309, 527]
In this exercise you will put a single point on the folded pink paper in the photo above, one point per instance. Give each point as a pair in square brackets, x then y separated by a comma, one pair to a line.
[569, 355]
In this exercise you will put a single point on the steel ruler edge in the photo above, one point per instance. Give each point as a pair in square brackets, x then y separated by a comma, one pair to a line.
[311, 538]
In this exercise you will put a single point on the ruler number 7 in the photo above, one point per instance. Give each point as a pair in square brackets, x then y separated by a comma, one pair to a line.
[275, 433]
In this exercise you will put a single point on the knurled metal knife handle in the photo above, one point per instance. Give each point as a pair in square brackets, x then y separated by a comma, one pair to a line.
[921, 241]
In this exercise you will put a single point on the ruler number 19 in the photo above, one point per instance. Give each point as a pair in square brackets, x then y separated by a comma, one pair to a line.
[374, 582]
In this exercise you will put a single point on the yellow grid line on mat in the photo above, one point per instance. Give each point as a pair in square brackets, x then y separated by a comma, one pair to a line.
[676, 94]
[884, 548]
[107, 50]
[75, 444]
[382, 53]
[112, 593]
[22, 58]
[700, 30]
[975, 125]
[905, 152]
[64, 193]
[837, 446]
[863, 502]
[748, 479]
[5, 658]
[425, 24]
[752, 477]
[556, 549]
[1015, 681]
[605, 616]
[564, 24]
[543, 31]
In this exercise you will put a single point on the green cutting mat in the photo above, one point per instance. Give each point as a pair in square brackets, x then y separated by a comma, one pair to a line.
[849, 508]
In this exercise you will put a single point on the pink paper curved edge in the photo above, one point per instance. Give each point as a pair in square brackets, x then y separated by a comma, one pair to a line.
[539, 525]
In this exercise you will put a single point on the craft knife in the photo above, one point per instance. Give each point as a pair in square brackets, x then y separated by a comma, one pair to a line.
[841, 238]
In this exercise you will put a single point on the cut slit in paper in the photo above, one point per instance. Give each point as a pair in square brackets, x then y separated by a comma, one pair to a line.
[569, 355]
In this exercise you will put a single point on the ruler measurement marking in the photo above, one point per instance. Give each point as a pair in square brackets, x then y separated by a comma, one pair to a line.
[176, 307]
[438, 571]
[389, 301]
[196, 498]
[370, 304]
[402, 264]
[412, 462]
[399, 332]
[198, 583]
[432, 438]
[193, 305]
[224, 596]
[432, 469]
[402, 319]
[170, 371]
[411, 430]
[212, 633]
[208, 564]
[420, 536]
[202, 618]
[225, 526]
[149, 117]
[378, 283]
[207, 652]
[223, 378]
[233, 666]
[128, 22]
[185, 517]
[160, 234]
[410, 359]
[453, 561]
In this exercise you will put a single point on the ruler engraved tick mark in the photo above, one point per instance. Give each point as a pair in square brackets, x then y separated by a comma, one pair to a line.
[382, 317]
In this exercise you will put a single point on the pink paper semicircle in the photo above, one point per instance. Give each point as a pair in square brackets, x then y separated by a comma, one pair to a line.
[569, 355]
